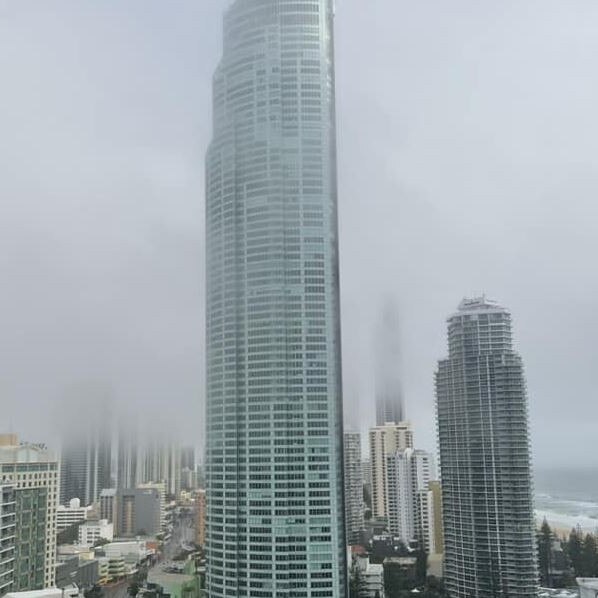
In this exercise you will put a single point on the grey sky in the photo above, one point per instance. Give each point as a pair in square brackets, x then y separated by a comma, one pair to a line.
[468, 157]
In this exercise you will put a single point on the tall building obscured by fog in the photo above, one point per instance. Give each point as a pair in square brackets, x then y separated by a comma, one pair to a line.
[28, 502]
[353, 487]
[86, 460]
[128, 471]
[274, 404]
[390, 406]
[485, 458]
[161, 462]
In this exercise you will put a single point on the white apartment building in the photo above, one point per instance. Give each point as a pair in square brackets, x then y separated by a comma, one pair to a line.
[409, 502]
[385, 440]
[67, 515]
[92, 531]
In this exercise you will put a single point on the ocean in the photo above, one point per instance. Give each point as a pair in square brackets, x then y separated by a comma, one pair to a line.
[567, 498]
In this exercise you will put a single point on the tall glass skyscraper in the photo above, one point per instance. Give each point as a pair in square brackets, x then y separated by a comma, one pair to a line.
[274, 407]
[482, 413]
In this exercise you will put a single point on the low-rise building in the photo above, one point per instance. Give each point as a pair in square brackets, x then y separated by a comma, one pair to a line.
[103, 571]
[67, 551]
[67, 515]
[117, 568]
[43, 593]
[82, 573]
[371, 579]
[93, 531]
[133, 552]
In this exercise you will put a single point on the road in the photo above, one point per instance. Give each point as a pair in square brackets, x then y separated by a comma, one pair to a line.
[118, 590]
[183, 535]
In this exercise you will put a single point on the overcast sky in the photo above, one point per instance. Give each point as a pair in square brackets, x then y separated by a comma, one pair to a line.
[468, 162]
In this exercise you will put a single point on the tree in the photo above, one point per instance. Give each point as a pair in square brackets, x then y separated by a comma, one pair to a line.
[133, 589]
[545, 538]
[589, 556]
[574, 552]
[354, 582]
[421, 567]
[94, 592]
[434, 588]
[69, 535]
[397, 580]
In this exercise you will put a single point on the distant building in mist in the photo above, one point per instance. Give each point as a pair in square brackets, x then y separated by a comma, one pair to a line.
[188, 468]
[86, 457]
[482, 412]
[108, 504]
[129, 450]
[28, 502]
[161, 462]
[146, 455]
[366, 472]
[139, 512]
[385, 440]
[353, 487]
[389, 391]
[188, 457]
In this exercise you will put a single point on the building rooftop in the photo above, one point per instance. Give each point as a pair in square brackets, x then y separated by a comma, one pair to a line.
[475, 305]
[45, 593]
[161, 578]
[557, 593]
[588, 583]
[13, 452]
[374, 569]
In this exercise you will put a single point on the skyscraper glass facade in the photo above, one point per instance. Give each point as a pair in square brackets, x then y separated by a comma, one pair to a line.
[274, 406]
[485, 458]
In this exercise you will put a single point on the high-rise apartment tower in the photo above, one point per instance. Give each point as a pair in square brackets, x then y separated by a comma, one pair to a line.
[353, 487]
[28, 501]
[485, 458]
[385, 441]
[275, 523]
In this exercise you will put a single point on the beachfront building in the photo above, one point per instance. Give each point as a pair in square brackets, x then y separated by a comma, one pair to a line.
[489, 535]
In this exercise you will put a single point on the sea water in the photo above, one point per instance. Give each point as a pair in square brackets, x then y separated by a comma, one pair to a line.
[567, 498]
